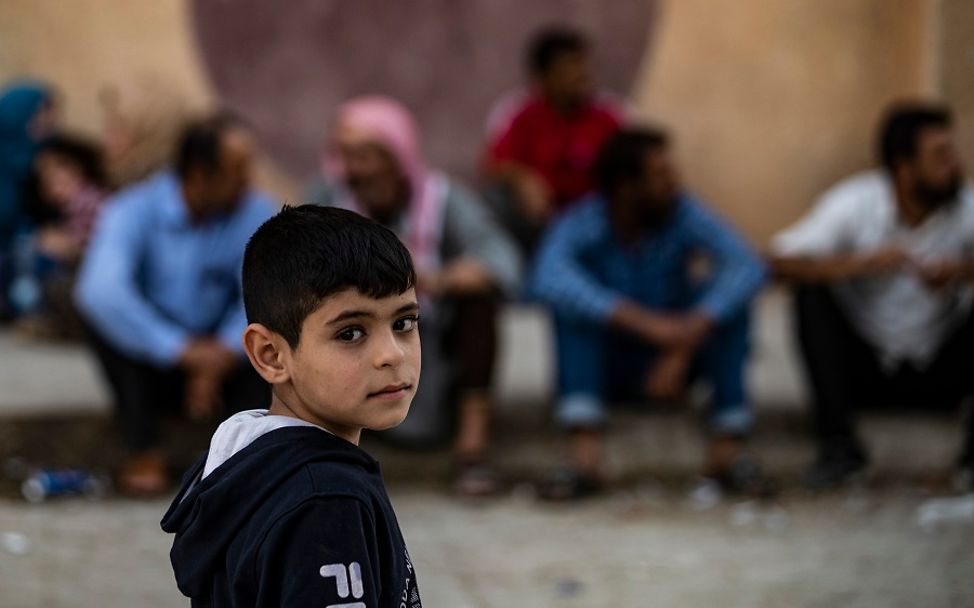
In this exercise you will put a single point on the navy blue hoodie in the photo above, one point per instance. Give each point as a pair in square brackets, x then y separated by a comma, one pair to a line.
[297, 518]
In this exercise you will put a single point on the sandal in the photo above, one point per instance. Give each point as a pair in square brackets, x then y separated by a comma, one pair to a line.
[144, 476]
[475, 479]
[568, 485]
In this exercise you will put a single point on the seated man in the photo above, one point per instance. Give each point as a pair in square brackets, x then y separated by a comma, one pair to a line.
[883, 270]
[160, 289]
[636, 312]
[463, 263]
[541, 146]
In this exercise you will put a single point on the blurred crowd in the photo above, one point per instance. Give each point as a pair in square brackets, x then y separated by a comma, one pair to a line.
[133, 243]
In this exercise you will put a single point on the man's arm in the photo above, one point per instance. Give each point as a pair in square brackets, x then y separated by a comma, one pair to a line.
[817, 248]
[738, 273]
[561, 280]
[506, 165]
[836, 267]
[488, 257]
[108, 296]
[321, 554]
[942, 273]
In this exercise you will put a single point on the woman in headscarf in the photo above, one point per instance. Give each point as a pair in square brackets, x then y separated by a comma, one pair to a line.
[27, 117]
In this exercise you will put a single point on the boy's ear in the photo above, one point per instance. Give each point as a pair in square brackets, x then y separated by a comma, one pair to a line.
[266, 350]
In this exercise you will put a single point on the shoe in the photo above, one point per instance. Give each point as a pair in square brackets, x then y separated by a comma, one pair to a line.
[834, 469]
[144, 476]
[569, 485]
[746, 477]
[963, 478]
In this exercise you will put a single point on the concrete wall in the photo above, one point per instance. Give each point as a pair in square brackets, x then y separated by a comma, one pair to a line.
[770, 100]
[84, 45]
[773, 100]
[955, 67]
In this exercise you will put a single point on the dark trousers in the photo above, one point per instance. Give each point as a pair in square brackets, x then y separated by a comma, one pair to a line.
[459, 347]
[845, 371]
[143, 392]
[470, 339]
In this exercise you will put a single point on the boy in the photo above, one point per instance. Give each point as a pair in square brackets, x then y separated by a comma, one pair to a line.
[286, 510]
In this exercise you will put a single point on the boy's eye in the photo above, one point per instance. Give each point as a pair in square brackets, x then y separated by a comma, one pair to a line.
[406, 324]
[351, 334]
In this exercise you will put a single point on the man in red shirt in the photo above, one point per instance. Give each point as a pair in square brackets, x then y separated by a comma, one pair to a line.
[542, 144]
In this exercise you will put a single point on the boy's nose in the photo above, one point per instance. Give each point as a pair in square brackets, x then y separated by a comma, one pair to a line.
[390, 352]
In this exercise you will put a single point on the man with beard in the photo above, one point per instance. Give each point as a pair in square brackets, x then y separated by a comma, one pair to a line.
[159, 289]
[373, 165]
[543, 142]
[648, 289]
[882, 269]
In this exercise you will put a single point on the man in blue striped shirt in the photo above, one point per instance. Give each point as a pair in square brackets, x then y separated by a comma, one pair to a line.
[648, 289]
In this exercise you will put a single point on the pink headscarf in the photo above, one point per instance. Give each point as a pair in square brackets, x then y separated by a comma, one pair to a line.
[390, 125]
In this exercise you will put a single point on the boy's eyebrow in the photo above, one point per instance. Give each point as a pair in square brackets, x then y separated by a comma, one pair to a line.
[351, 314]
[411, 307]
[357, 314]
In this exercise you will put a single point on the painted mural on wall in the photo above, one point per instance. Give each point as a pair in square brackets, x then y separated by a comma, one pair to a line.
[285, 66]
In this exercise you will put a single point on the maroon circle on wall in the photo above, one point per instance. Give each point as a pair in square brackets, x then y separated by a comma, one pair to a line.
[285, 66]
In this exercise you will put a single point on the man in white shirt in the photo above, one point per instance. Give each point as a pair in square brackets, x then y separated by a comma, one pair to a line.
[884, 270]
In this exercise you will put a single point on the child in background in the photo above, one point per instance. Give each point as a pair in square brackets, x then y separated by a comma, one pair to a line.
[71, 181]
[69, 190]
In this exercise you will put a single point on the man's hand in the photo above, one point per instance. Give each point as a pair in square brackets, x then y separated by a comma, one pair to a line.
[462, 276]
[881, 261]
[534, 196]
[207, 355]
[207, 362]
[58, 243]
[938, 275]
[664, 330]
[429, 283]
[203, 394]
[667, 378]
[676, 331]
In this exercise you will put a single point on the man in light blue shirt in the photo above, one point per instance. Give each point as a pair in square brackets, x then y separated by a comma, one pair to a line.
[648, 288]
[160, 290]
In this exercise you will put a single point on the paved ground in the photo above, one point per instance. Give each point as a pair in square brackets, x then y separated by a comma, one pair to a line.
[652, 542]
[644, 547]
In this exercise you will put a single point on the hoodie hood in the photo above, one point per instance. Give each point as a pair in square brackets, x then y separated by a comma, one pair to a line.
[208, 513]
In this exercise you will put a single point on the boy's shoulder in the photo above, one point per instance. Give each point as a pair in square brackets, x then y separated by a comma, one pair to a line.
[318, 464]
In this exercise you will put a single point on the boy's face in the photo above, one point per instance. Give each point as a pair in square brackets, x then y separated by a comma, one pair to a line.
[357, 363]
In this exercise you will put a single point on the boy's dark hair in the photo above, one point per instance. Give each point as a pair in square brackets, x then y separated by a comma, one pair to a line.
[82, 152]
[304, 254]
[551, 44]
[623, 157]
[199, 144]
[901, 127]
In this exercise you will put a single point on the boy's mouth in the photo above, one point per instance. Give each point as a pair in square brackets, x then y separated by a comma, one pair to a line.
[391, 392]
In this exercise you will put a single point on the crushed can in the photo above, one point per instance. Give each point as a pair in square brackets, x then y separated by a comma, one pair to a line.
[44, 484]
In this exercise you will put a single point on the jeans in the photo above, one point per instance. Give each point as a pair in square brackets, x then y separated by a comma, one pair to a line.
[598, 365]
